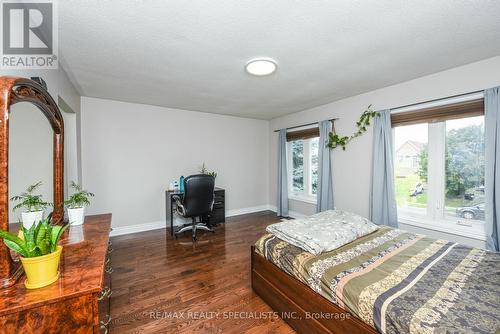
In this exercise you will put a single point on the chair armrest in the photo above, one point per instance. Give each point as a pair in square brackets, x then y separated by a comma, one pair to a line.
[178, 201]
[177, 198]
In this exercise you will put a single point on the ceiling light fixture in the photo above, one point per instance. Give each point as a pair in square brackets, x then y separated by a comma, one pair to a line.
[261, 66]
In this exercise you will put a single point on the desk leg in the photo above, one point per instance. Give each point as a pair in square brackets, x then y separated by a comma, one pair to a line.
[166, 211]
[171, 218]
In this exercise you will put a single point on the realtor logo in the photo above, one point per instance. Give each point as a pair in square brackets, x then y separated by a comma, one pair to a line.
[29, 35]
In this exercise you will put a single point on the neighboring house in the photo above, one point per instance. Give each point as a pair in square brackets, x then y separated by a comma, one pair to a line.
[408, 158]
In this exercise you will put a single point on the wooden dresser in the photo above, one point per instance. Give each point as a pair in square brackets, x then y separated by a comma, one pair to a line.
[79, 301]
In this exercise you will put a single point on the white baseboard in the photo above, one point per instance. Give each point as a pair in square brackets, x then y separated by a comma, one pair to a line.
[122, 230]
[295, 214]
[244, 211]
[292, 214]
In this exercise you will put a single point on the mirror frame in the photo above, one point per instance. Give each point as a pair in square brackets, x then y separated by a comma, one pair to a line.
[16, 90]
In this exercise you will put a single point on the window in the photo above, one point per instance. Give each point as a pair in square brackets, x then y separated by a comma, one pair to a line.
[303, 168]
[297, 153]
[443, 184]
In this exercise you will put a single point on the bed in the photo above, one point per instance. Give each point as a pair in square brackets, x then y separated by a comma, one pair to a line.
[389, 281]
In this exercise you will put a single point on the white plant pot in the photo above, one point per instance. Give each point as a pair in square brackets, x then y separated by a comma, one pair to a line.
[29, 218]
[76, 216]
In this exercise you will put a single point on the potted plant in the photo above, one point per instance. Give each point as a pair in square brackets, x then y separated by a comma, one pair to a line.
[76, 204]
[34, 205]
[39, 252]
[204, 170]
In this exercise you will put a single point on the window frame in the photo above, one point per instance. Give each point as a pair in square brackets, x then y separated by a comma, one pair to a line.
[436, 117]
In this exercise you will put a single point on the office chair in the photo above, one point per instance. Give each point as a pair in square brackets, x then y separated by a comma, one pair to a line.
[197, 201]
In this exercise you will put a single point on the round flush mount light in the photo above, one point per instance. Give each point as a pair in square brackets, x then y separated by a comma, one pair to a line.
[261, 66]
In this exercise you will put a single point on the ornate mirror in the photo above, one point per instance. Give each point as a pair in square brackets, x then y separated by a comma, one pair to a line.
[14, 90]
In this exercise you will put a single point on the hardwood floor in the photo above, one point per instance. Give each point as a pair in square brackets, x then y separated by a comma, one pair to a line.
[163, 285]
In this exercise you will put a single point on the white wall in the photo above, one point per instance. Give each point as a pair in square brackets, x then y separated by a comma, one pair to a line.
[71, 154]
[130, 153]
[30, 153]
[352, 168]
[68, 93]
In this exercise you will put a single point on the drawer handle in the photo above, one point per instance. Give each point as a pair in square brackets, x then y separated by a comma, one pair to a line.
[109, 270]
[108, 320]
[105, 324]
[106, 292]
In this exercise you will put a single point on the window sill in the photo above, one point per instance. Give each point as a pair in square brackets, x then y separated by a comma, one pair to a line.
[476, 231]
[302, 198]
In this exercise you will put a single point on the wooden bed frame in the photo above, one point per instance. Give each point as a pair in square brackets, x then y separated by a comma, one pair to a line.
[306, 311]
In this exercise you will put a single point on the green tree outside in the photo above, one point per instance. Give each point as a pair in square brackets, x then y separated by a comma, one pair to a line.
[464, 164]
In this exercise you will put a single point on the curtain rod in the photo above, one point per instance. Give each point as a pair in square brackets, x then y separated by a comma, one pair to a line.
[435, 100]
[299, 126]
[400, 107]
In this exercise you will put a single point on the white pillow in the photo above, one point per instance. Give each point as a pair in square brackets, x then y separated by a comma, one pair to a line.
[324, 231]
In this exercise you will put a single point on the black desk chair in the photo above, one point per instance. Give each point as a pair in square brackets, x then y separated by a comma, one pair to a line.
[197, 201]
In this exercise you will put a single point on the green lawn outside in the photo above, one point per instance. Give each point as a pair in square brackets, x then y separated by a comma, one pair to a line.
[405, 185]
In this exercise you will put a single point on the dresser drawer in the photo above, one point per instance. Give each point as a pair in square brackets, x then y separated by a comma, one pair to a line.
[218, 205]
[73, 315]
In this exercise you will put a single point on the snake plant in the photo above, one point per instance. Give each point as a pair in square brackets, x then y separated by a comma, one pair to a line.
[40, 239]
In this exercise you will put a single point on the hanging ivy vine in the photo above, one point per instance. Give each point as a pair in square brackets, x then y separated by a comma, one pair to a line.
[334, 140]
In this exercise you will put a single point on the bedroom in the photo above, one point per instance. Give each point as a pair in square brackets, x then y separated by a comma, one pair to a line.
[150, 93]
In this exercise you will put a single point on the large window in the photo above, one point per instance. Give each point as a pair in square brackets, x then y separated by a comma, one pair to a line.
[303, 169]
[439, 169]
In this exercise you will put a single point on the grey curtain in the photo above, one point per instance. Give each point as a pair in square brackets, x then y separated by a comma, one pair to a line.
[383, 208]
[282, 202]
[324, 192]
[492, 166]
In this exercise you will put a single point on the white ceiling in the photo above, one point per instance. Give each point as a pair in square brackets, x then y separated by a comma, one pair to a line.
[191, 54]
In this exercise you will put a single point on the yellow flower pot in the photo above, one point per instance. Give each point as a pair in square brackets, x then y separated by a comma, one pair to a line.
[42, 270]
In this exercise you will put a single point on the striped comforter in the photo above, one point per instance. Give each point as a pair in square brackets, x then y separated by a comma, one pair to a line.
[399, 282]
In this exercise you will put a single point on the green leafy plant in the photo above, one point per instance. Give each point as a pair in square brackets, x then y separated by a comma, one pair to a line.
[40, 239]
[79, 199]
[204, 170]
[335, 140]
[30, 201]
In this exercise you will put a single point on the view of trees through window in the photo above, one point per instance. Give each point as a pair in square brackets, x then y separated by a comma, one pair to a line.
[298, 165]
[463, 165]
[411, 154]
[303, 164]
[314, 165]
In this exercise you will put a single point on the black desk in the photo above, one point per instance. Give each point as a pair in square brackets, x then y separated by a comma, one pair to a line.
[218, 214]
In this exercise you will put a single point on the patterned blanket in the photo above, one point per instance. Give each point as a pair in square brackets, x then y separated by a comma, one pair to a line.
[399, 282]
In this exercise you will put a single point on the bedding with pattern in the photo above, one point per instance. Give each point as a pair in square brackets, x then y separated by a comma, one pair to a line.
[400, 282]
